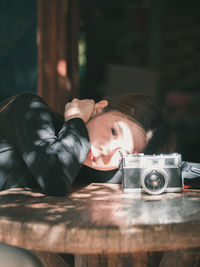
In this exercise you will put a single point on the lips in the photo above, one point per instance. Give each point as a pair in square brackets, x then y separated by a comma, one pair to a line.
[90, 156]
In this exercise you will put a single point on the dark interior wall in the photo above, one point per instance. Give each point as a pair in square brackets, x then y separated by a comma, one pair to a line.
[181, 74]
[119, 33]
[147, 46]
[158, 35]
[18, 48]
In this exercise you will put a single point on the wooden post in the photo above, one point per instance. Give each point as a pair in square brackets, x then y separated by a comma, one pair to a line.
[58, 52]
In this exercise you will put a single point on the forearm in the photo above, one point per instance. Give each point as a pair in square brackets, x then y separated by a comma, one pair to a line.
[54, 161]
[58, 161]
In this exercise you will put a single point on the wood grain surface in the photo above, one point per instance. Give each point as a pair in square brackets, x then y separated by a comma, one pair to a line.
[100, 219]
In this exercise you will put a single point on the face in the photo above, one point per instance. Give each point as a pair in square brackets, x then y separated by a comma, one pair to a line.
[110, 135]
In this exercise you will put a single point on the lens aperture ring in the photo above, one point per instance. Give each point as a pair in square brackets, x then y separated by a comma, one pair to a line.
[154, 181]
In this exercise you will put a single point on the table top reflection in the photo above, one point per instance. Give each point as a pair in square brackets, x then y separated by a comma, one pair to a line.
[100, 218]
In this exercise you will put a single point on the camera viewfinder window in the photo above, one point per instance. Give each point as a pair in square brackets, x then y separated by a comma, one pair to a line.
[169, 162]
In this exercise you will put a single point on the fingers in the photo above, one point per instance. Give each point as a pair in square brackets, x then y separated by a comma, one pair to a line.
[76, 99]
[79, 108]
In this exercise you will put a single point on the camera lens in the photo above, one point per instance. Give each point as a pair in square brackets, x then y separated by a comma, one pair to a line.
[154, 182]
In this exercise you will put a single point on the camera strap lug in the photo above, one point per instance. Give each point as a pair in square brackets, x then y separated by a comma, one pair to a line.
[190, 170]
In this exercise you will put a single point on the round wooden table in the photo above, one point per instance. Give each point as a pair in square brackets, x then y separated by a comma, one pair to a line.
[100, 222]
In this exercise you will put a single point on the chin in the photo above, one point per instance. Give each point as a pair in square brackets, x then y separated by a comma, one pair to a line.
[100, 167]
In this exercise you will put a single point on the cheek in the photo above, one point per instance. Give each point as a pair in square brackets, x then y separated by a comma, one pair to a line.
[128, 144]
[97, 134]
[115, 159]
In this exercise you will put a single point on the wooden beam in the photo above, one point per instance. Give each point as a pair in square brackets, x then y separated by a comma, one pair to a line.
[58, 52]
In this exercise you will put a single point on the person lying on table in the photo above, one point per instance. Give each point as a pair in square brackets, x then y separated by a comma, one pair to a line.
[37, 150]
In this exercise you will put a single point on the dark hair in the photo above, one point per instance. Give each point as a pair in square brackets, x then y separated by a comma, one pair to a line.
[145, 112]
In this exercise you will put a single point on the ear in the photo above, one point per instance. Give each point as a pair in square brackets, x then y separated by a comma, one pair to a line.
[99, 106]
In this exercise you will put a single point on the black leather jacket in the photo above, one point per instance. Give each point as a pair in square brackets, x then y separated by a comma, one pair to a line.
[34, 151]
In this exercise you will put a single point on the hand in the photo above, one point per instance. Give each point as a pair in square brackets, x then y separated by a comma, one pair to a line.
[79, 109]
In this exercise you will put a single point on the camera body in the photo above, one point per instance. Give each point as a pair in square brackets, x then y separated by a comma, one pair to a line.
[153, 174]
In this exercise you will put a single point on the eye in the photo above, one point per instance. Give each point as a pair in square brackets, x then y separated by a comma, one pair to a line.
[114, 133]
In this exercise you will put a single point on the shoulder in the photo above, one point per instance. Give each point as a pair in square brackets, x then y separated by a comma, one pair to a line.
[27, 97]
[25, 104]
[24, 101]
[20, 98]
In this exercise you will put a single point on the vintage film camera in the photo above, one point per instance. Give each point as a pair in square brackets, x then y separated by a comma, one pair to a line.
[153, 174]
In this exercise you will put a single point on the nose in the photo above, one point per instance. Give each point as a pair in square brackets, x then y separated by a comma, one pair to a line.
[104, 150]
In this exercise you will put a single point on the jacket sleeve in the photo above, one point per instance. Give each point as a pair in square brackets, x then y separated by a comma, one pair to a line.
[53, 160]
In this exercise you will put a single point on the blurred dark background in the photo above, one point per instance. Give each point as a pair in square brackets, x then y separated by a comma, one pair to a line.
[141, 46]
[18, 47]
